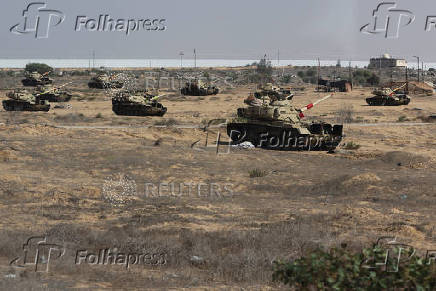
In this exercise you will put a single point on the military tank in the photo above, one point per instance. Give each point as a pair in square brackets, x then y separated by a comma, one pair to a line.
[273, 92]
[279, 125]
[389, 97]
[137, 104]
[36, 79]
[22, 100]
[53, 94]
[199, 88]
[103, 81]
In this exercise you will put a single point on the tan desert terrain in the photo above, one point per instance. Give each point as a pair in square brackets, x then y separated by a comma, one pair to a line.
[54, 167]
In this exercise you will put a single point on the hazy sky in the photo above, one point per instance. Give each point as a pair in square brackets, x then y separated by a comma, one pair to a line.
[235, 29]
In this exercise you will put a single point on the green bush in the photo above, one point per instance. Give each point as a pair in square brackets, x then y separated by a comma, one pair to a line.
[341, 269]
[286, 79]
[351, 146]
[37, 67]
[257, 173]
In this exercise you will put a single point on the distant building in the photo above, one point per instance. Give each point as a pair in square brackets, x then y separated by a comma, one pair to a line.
[334, 86]
[386, 61]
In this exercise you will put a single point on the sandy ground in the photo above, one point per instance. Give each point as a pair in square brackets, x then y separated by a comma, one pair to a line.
[53, 179]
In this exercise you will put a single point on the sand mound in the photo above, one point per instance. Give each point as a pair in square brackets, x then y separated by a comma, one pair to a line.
[367, 178]
[7, 155]
[404, 159]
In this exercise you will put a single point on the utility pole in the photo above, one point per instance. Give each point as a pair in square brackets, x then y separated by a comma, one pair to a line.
[319, 72]
[423, 72]
[93, 59]
[278, 62]
[278, 57]
[350, 76]
[181, 54]
[195, 59]
[418, 67]
[407, 80]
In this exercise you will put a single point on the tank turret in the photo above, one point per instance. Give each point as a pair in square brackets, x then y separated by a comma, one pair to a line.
[54, 94]
[137, 104]
[199, 88]
[36, 79]
[389, 97]
[273, 92]
[104, 81]
[278, 124]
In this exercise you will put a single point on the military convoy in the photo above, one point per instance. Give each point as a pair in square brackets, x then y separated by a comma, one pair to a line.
[137, 104]
[199, 88]
[388, 97]
[36, 79]
[277, 124]
[104, 81]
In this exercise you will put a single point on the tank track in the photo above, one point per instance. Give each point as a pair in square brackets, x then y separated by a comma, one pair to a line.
[34, 83]
[323, 136]
[127, 109]
[13, 105]
[386, 102]
[187, 92]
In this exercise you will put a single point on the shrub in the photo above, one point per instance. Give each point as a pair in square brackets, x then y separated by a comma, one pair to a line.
[341, 269]
[345, 114]
[402, 118]
[257, 173]
[300, 74]
[286, 79]
[351, 146]
[37, 67]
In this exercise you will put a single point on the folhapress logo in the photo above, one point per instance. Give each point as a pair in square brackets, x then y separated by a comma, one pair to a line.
[388, 20]
[38, 253]
[38, 20]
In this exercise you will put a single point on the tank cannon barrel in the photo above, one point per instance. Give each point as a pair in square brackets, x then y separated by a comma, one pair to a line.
[395, 90]
[53, 89]
[311, 105]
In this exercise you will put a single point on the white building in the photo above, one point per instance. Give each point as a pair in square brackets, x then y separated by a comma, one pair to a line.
[386, 61]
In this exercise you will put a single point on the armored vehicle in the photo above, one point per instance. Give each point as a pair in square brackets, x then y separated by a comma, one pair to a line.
[274, 92]
[36, 79]
[22, 100]
[279, 125]
[388, 97]
[199, 88]
[104, 81]
[53, 94]
[137, 104]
